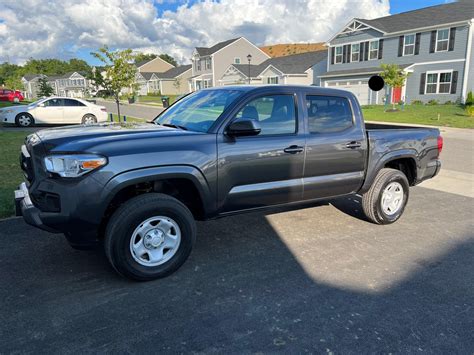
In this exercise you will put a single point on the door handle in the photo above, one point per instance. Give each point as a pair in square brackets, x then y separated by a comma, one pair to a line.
[353, 145]
[293, 149]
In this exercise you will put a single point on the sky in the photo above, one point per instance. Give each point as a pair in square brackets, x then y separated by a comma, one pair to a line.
[68, 28]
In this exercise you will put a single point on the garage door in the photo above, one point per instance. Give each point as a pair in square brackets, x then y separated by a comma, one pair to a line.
[359, 88]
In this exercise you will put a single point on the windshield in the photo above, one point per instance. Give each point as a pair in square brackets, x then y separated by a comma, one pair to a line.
[38, 101]
[198, 111]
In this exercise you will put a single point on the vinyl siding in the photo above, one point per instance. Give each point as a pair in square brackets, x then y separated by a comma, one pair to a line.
[156, 65]
[317, 70]
[470, 78]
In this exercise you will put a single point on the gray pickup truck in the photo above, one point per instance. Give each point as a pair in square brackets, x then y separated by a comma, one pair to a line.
[138, 188]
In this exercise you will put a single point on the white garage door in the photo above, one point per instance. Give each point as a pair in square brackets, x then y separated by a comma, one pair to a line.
[359, 88]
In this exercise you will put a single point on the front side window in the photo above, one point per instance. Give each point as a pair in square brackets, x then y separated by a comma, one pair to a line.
[275, 113]
[438, 83]
[442, 39]
[328, 114]
[374, 50]
[355, 52]
[338, 56]
[53, 103]
[198, 111]
[409, 45]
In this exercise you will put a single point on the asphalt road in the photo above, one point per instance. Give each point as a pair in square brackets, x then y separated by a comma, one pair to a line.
[319, 279]
[135, 110]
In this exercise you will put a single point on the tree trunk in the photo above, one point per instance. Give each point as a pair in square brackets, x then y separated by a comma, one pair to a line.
[117, 101]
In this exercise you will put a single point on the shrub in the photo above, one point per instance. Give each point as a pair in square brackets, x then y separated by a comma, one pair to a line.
[449, 102]
[417, 102]
[470, 99]
[432, 102]
[470, 110]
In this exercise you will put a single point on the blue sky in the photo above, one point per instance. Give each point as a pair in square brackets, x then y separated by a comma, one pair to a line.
[68, 28]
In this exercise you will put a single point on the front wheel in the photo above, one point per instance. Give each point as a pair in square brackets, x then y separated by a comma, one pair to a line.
[386, 199]
[24, 119]
[149, 237]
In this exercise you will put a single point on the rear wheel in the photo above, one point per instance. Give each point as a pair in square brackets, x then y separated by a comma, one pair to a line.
[386, 199]
[24, 119]
[149, 237]
[89, 119]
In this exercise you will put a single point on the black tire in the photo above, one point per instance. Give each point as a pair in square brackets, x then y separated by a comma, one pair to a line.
[89, 119]
[24, 119]
[129, 216]
[372, 199]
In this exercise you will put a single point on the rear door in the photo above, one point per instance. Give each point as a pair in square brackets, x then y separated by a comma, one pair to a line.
[50, 111]
[336, 147]
[266, 169]
[74, 111]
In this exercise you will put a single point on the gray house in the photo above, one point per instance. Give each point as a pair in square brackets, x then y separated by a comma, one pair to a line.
[299, 69]
[433, 44]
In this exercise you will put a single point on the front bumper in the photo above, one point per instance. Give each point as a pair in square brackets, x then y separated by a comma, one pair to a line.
[24, 207]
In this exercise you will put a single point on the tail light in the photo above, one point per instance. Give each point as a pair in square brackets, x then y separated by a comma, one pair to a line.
[440, 144]
[103, 109]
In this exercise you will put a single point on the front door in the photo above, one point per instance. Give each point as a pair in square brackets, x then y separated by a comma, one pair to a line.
[396, 95]
[51, 111]
[266, 169]
[335, 148]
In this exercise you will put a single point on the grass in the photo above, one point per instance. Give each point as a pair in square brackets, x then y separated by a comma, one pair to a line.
[155, 98]
[10, 173]
[8, 104]
[449, 115]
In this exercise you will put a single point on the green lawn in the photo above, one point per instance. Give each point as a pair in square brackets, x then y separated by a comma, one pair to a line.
[154, 99]
[7, 103]
[10, 173]
[449, 115]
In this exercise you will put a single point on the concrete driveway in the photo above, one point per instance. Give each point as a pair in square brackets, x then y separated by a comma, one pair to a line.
[320, 280]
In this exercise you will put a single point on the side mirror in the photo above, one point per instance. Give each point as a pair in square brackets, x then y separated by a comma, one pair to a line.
[244, 127]
[41, 104]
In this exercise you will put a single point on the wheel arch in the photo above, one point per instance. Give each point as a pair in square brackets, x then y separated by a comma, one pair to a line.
[405, 160]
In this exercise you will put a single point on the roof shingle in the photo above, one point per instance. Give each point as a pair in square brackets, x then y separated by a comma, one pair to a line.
[204, 51]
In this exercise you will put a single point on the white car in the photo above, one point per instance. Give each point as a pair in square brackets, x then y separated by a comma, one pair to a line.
[54, 110]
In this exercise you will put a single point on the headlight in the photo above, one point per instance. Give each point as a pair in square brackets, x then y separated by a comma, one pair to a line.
[73, 165]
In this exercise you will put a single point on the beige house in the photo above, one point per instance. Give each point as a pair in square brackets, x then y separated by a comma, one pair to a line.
[210, 63]
[175, 81]
[156, 65]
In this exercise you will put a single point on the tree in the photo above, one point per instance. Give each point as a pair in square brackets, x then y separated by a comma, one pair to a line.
[144, 57]
[14, 83]
[177, 84]
[169, 59]
[393, 76]
[45, 89]
[118, 74]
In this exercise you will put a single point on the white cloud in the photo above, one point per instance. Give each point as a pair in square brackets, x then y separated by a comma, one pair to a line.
[58, 28]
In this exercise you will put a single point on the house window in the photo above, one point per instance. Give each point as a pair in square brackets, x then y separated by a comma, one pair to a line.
[442, 40]
[438, 83]
[409, 45]
[208, 63]
[374, 50]
[338, 56]
[199, 65]
[272, 80]
[355, 51]
[236, 60]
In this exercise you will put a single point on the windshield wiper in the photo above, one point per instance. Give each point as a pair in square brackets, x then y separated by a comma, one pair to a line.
[173, 126]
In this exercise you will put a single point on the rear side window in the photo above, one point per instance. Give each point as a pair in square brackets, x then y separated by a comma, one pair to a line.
[70, 102]
[275, 113]
[328, 114]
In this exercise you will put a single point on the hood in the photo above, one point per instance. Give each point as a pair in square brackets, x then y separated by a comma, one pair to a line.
[82, 137]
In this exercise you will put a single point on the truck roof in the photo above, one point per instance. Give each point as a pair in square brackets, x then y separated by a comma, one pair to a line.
[256, 88]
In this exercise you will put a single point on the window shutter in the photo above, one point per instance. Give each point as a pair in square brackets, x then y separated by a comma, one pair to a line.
[454, 82]
[417, 43]
[422, 83]
[380, 48]
[400, 46]
[349, 49]
[433, 41]
[366, 51]
[333, 52]
[344, 54]
[361, 51]
[452, 38]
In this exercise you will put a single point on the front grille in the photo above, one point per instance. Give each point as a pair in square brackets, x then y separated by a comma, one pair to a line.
[46, 201]
[26, 165]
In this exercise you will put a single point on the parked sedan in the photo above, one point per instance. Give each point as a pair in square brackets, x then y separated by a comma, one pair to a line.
[54, 110]
[11, 95]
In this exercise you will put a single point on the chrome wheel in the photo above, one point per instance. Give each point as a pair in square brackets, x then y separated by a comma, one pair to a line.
[155, 241]
[89, 120]
[24, 120]
[392, 198]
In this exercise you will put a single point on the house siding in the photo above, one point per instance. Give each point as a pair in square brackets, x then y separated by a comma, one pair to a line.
[156, 65]
[317, 70]
[470, 69]
[365, 35]
[167, 86]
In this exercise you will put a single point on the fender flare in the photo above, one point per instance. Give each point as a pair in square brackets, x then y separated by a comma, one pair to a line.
[128, 178]
[372, 170]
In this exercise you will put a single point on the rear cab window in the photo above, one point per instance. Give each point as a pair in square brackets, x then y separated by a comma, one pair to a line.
[328, 114]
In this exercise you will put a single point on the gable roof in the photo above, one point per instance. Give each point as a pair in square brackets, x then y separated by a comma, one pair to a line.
[426, 17]
[174, 72]
[205, 51]
[290, 64]
[353, 72]
[146, 75]
[143, 62]
[29, 77]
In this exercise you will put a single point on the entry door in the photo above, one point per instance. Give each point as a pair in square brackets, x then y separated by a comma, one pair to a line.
[335, 148]
[52, 111]
[396, 95]
[266, 169]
